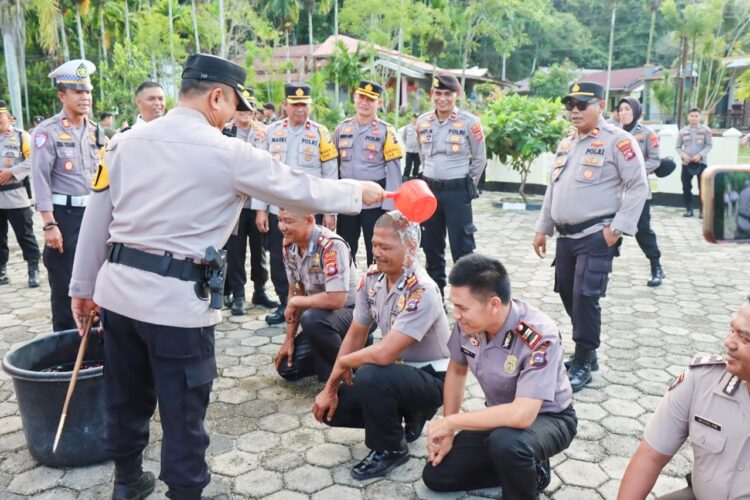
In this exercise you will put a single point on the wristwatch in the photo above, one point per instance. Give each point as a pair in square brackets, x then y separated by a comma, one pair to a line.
[617, 232]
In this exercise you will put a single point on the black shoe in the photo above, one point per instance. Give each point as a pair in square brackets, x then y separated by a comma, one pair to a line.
[33, 275]
[277, 317]
[137, 490]
[261, 299]
[379, 463]
[414, 423]
[657, 274]
[543, 475]
[228, 299]
[594, 363]
[688, 213]
[238, 306]
[580, 371]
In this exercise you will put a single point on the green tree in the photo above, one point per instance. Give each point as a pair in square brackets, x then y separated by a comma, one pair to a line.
[554, 82]
[519, 129]
[129, 68]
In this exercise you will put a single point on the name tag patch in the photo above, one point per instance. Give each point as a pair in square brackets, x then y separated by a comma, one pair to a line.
[468, 352]
[707, 423]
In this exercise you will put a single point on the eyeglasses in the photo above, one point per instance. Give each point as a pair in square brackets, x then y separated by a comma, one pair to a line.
[579, 105]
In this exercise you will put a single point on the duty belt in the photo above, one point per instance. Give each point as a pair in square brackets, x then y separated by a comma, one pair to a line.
[437, 184]
[163, 265]
[8, 187]
[565, 229]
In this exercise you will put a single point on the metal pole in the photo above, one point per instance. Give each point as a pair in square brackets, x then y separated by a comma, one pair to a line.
[398, 71]
[611, 49]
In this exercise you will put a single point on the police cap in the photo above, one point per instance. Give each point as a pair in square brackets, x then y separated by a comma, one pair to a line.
[249, 95]
[297, 92]
[74, 74]
[217, 69]
[666, 167]
[446, 81]
[584, 91]
[369, 89]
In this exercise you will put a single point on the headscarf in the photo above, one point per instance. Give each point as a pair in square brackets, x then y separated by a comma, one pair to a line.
[635, 105]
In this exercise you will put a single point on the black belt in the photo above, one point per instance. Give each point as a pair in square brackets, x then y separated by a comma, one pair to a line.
[565, 229]
[163, 265]
[437, 184]
[8, 187]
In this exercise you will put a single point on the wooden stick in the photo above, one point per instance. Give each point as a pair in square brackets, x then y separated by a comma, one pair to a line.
[74, 377]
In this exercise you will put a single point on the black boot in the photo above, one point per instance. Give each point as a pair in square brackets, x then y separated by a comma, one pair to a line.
[688, 213]
[657, 273]
[543, 475]
[131, 483]
[228, 299]
[238, 306]
[278, 316]
[380, 463]
[33, 274]
[261, 299]
[594, 362]
[4, 280]
[580, 371]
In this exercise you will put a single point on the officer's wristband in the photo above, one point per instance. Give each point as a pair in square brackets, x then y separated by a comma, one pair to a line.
[49, 226]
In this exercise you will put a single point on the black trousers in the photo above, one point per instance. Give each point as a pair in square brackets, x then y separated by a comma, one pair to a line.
[503, 457]
[412, 165]
[22, 222]
[646, 237]
[686, 176]
[60, 265]
[275, 242]
[317, 344]
[349, 227]
[247, 232]
[455, 216]
[381, 396]
[582, 268]
[145, 363]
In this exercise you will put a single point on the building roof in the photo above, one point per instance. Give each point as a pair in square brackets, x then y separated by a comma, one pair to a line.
[626, 79]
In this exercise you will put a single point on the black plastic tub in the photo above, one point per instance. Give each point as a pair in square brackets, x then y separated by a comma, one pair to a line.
[41, 393]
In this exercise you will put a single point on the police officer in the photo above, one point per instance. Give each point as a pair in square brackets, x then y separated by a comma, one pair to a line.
[322, 290]
[147, 257]
[66, 154]
[516, 353]
[411, 144]
[694, 141]
[708, 403]
[149, 99]
[595, 195]
[648, 141]
[15, 206]
[368, 150]
[246, 128]
[307, 146]
[400, 377]
[453, 156]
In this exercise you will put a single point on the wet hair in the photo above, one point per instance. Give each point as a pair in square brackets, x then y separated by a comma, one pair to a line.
[147, 85]
[486, 277]
[408, 232]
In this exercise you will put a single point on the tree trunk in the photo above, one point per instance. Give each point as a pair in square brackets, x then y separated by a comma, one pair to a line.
[63, 38]
[651, 31]
[310, 39]
[288, 56]
[171, 49]
[21, 54]
[79, 30]
[195, 26]
[127, 21]
[11, 63]
[336, 44]
[102, 33]
[223, 47]
[524, 176]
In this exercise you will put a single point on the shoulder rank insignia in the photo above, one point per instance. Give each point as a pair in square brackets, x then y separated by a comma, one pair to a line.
[529, 336]
[411, 281]
[732, 385]
[677, 381]
[704, 360]
[508, 340]
[101, 179]
[324, 243]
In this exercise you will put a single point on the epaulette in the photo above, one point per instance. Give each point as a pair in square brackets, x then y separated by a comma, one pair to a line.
[705, 360]
[325, 243]
[373, 269]
[529, 335]
[411, 281]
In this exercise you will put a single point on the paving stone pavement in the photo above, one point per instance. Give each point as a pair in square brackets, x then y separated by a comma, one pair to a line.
[265, 443]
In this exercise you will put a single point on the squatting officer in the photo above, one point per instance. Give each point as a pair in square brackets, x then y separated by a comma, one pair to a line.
[516, 353]
[595, 195]
[322, 291]
[708, 403]
[368, 150]
[305, 145]
[453, 154]
[147, 258]
[401, 377]
[66, 154]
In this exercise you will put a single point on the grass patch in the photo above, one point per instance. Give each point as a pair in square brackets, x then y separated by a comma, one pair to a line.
[744, 156]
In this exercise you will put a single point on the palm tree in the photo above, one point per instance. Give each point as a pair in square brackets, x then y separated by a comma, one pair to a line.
[194, 12]
[324, 7]
[286, 15]
[10, 21]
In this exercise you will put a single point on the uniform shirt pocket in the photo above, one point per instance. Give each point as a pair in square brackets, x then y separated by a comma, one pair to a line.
[308, 156]
[456, 144]
[590, 170]
[278, 151]
[707, 447]
[372, 152]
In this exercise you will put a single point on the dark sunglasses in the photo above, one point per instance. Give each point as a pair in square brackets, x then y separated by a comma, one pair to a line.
[579, 105]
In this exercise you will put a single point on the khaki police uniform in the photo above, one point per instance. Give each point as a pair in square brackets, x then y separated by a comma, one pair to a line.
[143, 242]
[307, 148]
[15, 206]
[710, 406]
[692, 141]
[598, 179]
[523, 359]
[64, 161]
[371, 152]
[383, 395]
[247, 233]
[453, 154]
[325, 265]
[411, 144]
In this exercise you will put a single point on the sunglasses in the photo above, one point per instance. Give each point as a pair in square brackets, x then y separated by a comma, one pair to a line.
[579, 105]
